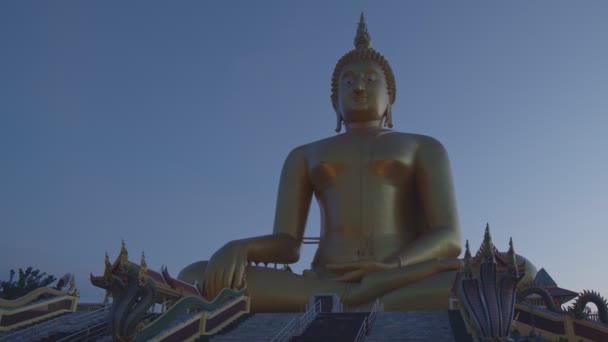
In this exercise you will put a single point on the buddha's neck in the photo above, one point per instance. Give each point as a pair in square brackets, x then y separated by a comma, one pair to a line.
[364, 127]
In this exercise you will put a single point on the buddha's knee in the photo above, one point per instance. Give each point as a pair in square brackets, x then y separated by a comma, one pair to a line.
[529, 269]
[193, 272]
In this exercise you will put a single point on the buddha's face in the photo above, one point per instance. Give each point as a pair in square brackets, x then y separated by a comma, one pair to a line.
[362, 92]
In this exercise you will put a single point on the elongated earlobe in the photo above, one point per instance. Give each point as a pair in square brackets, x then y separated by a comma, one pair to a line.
[338, 122]
[388, 117]
[338, 118]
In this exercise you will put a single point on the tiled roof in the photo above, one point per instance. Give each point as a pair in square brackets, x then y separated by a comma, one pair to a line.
[544, 279]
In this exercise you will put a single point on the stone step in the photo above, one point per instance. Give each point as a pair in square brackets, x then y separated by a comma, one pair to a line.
[411, 326]
[258, 327]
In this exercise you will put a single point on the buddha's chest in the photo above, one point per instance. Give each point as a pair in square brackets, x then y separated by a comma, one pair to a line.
[355, 162]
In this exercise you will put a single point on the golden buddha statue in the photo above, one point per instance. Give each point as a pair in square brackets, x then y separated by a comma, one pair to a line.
[389, 224]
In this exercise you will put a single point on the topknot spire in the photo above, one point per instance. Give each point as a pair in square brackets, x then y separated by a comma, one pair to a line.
[362, 40]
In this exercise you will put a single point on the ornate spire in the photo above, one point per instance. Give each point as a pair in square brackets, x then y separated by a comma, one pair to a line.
[488, 251]
[468, 269]
[124, 257]
[143, 270]
[511, 259]
[362, 40]
[107, 273]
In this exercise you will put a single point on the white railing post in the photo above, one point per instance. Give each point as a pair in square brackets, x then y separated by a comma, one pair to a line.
[367, 322]
[298, 325]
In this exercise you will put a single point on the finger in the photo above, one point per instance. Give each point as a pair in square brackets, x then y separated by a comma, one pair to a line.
[227, 278]
[239, 275]
[352, 276]
[220, 282]
[451, 264]
[209, 285]
[217, 279]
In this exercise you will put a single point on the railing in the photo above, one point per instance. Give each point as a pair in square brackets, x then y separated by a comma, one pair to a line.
[96, 330]
[367, 322]
[87, 333]
[36, 330]
[337, 307]
[297, 325]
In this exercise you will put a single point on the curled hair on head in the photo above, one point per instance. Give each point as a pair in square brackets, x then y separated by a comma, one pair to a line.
[363, 52]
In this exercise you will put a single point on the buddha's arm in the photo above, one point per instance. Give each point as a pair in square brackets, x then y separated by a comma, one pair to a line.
[440, 237]
[293, 203]
[226, 267]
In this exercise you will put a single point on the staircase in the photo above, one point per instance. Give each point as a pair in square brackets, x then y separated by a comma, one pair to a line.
[227, 329]
[416, 326]
[92, 332]
[258, 327]
[55, 329]
[335, 327]
[13, 332]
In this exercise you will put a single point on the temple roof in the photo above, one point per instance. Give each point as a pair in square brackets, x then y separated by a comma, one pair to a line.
[544, 279]
[559, 292]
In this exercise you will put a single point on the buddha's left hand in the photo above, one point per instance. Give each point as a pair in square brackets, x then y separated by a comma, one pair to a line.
[354, 271]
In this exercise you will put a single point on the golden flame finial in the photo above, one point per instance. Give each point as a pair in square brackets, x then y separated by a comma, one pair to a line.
[143, 269]
[511, 258]
[124, 257]
[107, 273]
[362, 40]
[487, 243]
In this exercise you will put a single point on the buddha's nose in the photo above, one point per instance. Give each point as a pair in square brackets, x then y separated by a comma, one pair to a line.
[359, 84]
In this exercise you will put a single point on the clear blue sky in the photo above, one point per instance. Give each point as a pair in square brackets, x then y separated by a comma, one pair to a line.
[166, 124]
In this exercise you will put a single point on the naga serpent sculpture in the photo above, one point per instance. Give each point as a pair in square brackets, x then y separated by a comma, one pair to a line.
[577, 309]
[133, 295]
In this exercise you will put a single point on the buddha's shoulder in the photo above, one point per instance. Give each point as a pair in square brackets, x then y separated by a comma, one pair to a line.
[409, 138]
[394, 138]
[317, 144]
[419, 140]
[397, 137]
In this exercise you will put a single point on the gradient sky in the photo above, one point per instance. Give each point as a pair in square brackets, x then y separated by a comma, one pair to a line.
[166, 124]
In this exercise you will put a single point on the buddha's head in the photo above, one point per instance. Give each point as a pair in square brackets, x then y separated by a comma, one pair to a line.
[363, 85]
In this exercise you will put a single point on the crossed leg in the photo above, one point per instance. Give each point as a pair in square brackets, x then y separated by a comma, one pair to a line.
[422, 286]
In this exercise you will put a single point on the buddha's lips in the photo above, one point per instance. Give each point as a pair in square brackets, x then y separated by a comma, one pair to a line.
[360, 98]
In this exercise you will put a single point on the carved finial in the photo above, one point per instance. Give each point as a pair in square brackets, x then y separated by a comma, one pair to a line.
[143, 269]
[124, 257]
[107, 273]
[511, 259]
[488, 251]
[468, 267]
[362, 40]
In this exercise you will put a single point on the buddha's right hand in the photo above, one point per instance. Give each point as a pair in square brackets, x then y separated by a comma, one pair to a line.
[226, 268]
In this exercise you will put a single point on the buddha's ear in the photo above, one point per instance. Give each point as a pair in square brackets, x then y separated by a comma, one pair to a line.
[338, 117]
[388, 116]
